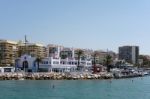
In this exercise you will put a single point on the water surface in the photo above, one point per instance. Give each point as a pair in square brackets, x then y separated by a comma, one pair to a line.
[136, 88]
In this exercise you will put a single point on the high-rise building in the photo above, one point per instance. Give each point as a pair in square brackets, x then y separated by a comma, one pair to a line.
[129, 53]
[8, 52]
[33, 49]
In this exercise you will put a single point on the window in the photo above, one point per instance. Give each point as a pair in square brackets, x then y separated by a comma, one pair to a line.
[69, 63]
[88, 63]
[55, 62]
[75, 63]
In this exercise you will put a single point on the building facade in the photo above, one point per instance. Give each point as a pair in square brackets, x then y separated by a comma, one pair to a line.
[8, 52]
[54, 50]
[50, 64]
[129, 53]
[57, 51]
[87, 53]
[67, 53]
[101, 56]
[33, 49]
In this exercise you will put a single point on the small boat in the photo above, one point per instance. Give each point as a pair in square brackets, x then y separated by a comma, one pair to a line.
[145, 73]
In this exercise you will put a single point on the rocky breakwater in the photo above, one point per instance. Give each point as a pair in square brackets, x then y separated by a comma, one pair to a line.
[54, 76]
[11, 76]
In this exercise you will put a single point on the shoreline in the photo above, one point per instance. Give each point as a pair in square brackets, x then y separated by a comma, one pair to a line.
[62, 76]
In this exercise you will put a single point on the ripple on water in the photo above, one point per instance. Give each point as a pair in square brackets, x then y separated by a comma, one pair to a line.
[135, 88]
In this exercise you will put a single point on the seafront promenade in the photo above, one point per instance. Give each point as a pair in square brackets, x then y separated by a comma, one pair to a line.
[60, 76]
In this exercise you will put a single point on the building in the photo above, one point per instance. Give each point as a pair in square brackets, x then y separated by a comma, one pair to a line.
[54, 50]
[57, 51]
[50, 64]
[129, 53]
[101, 56]
[58, 59]
[7, 69]
[67, 53]
[8, 52]
[33, 49]
[87, 54]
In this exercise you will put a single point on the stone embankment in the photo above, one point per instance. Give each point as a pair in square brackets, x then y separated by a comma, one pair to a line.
[62, 76]
[54, 76]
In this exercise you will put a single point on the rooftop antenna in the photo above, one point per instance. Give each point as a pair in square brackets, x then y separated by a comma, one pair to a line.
[26, 44]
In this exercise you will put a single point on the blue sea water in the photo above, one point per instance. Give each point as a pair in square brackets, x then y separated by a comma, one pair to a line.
[135, 88]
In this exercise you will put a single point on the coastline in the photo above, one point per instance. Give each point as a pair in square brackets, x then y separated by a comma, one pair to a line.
[61, 76]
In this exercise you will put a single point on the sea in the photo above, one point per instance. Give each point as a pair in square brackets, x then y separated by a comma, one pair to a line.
[133, 88]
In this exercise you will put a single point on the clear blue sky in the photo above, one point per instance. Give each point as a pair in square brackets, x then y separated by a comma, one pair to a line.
[96, 24]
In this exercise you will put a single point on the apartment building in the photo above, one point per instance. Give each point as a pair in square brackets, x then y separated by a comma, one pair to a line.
[33, 49]
[8, 52]
[129, 53]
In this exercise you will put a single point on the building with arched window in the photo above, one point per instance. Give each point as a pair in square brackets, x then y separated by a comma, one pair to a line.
[51, 64]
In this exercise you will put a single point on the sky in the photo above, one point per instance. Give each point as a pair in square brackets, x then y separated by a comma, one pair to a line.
[93, 24]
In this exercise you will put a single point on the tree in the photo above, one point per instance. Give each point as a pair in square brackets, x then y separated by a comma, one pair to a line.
[38, 60]
[0, 58]
[107, 62]
[145, 59]
[119, 63]
[79, 53]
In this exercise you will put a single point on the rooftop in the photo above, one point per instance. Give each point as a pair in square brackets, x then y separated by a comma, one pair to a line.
[7, 41]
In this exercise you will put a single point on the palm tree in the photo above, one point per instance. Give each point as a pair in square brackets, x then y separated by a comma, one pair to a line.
[79, 53]
[38, 60]
[95, 54]
[0, 58]
[108, 61]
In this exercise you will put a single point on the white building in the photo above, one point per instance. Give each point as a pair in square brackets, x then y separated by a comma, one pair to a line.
[59, 59]
[7, 69]
[50, 64]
